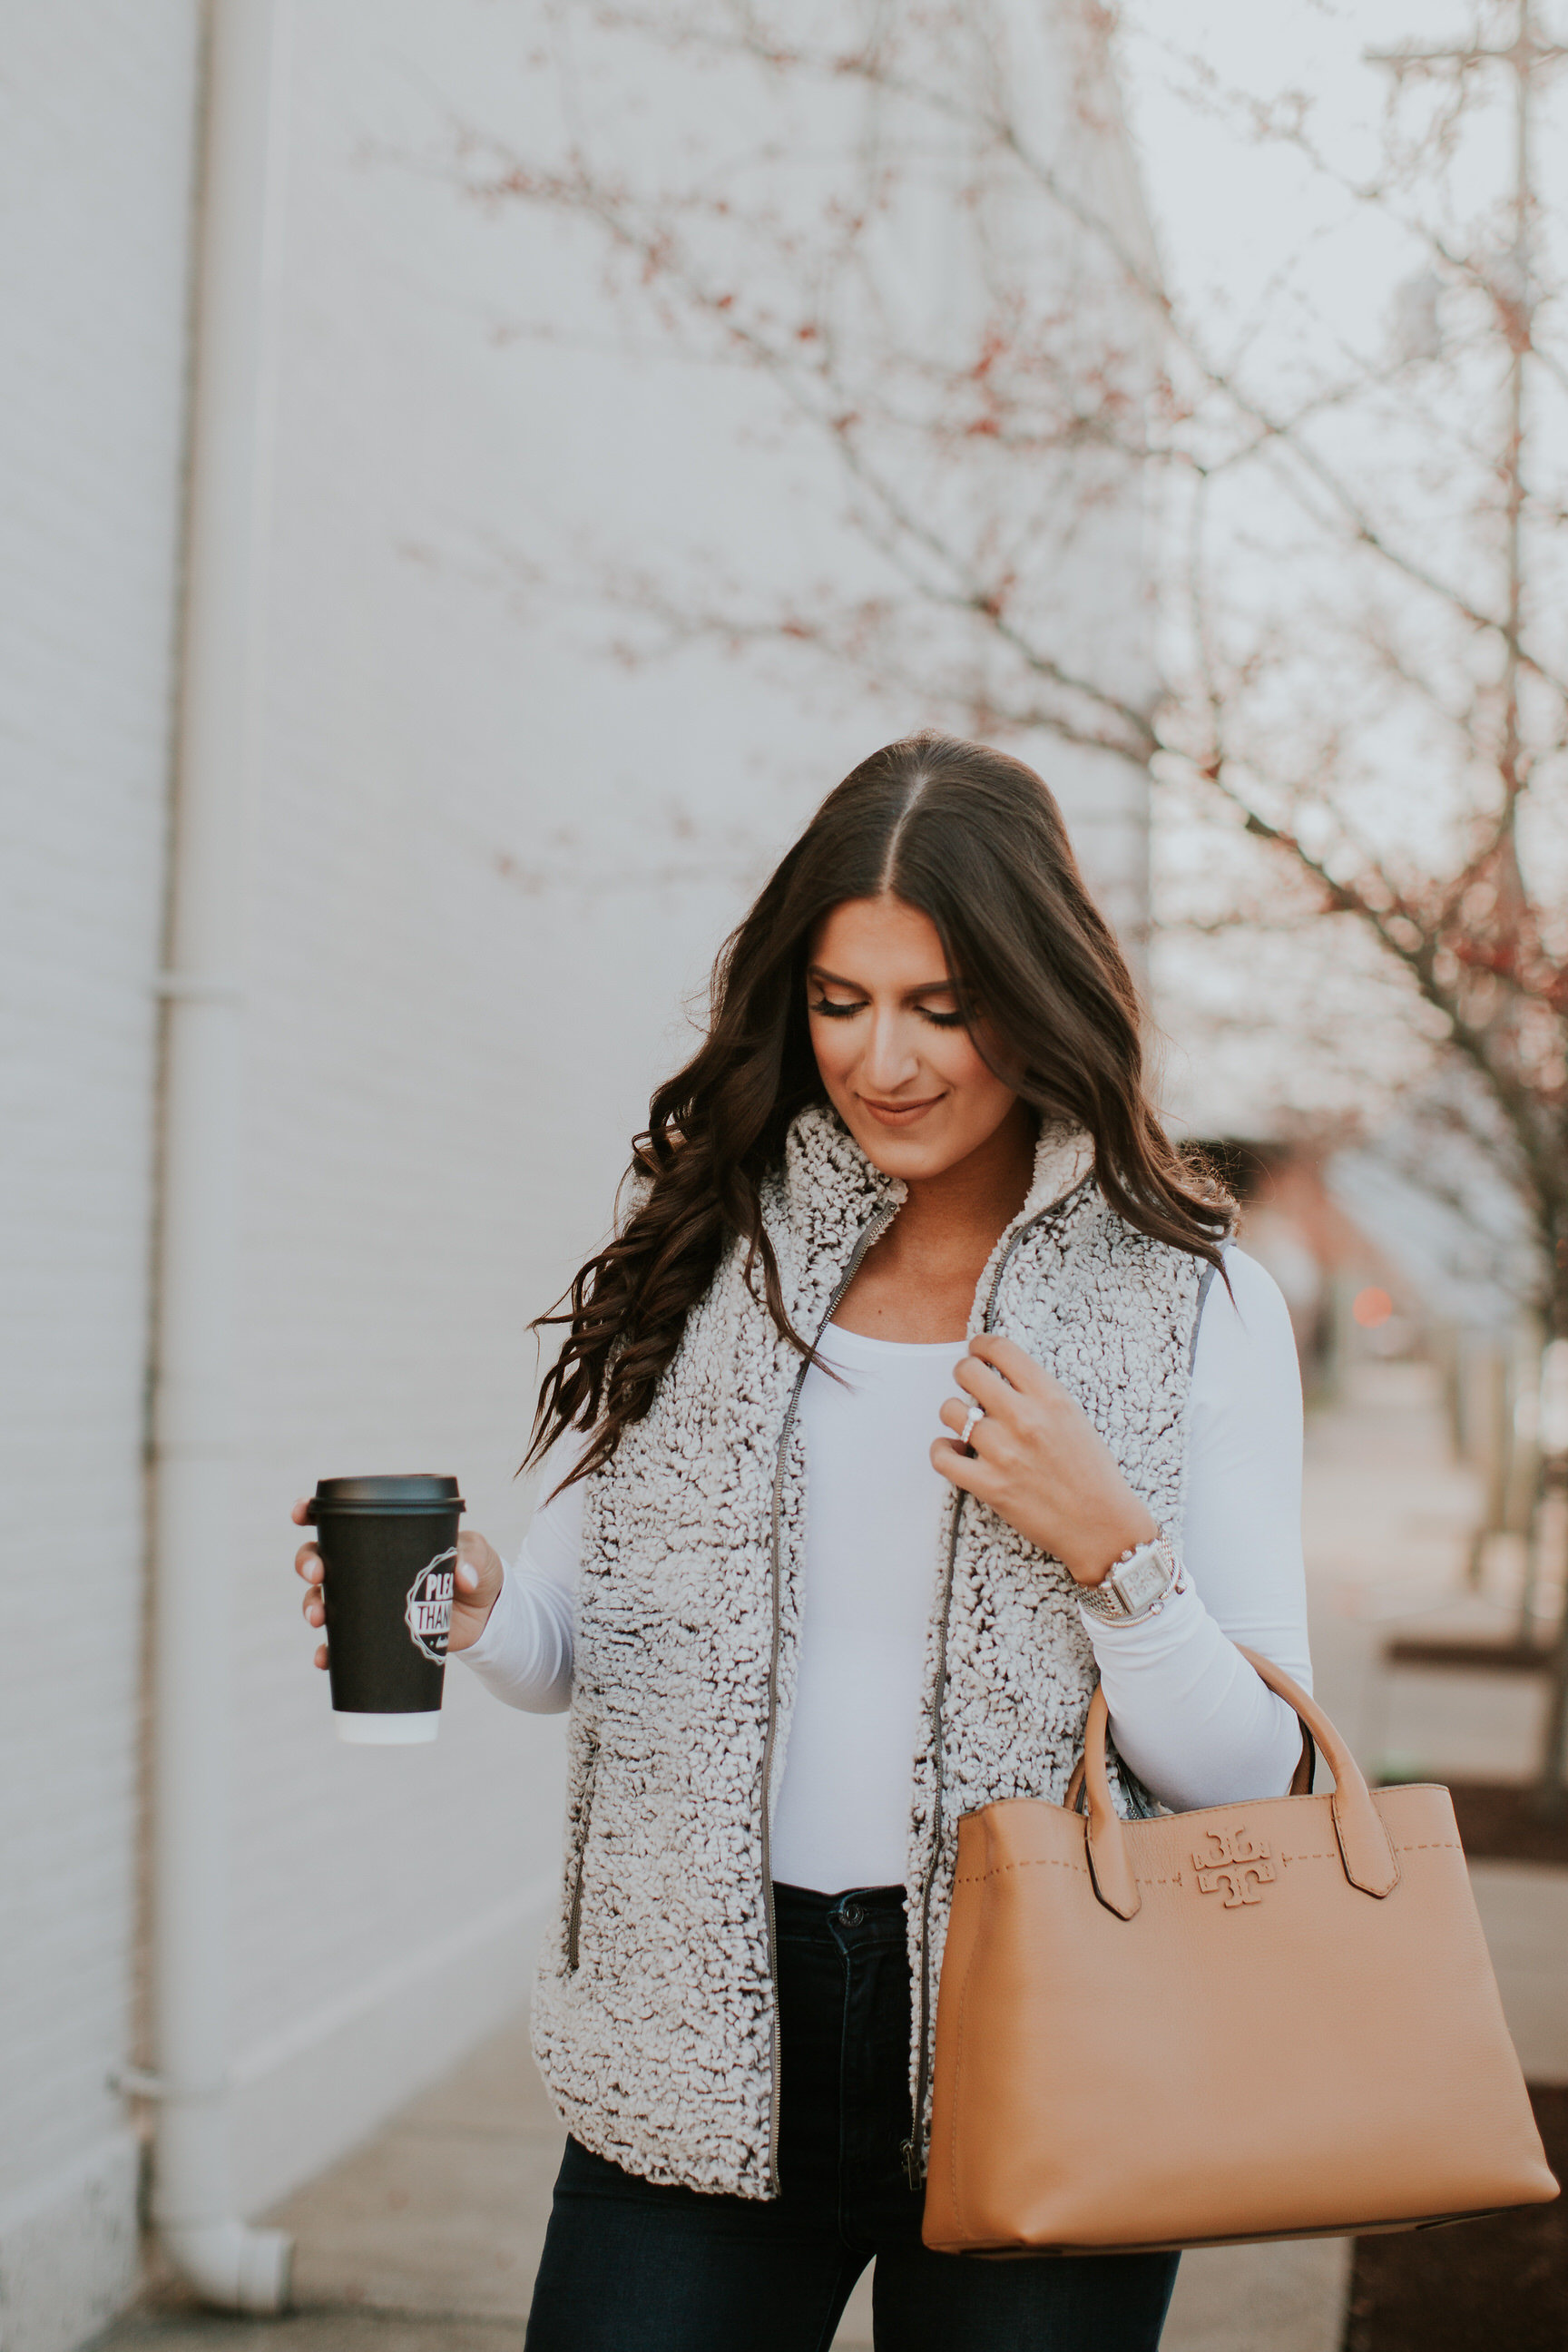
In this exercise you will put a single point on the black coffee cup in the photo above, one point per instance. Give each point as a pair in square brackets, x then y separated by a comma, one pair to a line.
[389, 1550]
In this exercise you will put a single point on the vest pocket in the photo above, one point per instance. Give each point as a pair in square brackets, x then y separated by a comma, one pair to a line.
[584, 1818]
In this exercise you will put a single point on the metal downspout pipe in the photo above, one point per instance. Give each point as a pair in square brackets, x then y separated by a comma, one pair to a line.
[193, 1414]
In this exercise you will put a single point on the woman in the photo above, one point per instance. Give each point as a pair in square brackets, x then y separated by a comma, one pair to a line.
[903, 1406]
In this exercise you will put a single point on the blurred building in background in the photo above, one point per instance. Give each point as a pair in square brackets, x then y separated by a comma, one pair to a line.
[1404, 1243]
[481, 865]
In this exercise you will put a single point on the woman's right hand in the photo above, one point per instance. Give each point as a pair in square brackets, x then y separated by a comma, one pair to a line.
[478, 1580]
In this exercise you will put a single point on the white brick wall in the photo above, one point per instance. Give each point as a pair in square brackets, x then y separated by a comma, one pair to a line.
[485, 867]
[96, 114]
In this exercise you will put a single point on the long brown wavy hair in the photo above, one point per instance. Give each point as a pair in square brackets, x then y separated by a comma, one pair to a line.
[974, 840]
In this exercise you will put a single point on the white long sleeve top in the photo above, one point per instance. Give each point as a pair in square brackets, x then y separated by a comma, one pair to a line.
[1187, 1712]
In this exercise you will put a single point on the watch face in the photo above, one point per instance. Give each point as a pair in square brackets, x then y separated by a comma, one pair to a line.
[1142, 1580]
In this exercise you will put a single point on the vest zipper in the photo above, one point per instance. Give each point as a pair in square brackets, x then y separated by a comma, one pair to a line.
[869, 1232]
[574, 1914]
[922, 2073]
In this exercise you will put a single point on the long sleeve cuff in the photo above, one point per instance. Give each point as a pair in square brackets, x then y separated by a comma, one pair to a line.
[524, 1654]
[1188, 1714]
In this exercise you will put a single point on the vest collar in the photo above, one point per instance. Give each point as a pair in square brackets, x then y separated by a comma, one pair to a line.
[831, 1189]
[1063, 1158]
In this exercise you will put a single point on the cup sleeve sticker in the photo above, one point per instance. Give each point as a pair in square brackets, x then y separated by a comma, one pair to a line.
[429, 1613]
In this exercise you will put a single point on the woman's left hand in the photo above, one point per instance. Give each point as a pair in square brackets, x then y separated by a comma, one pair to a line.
[1036, 1457]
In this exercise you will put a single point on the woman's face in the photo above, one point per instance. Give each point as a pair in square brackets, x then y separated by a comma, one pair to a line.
[898, 1066]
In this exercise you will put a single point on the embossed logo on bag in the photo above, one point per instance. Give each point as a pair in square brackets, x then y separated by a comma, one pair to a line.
[1242, 1867]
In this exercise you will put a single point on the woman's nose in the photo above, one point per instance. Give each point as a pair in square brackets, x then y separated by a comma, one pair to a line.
[891, 1060]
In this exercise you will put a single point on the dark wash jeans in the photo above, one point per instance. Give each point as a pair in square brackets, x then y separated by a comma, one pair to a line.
[630, 2267]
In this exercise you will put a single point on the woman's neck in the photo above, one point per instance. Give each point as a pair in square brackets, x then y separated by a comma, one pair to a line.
[918, 1282]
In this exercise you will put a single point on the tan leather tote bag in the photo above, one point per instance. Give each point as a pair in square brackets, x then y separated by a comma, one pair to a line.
[1262, 2021]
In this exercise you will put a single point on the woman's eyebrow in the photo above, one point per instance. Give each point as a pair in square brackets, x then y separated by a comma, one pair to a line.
[836, 980]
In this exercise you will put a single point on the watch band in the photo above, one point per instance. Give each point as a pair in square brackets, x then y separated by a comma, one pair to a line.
[1138, 1586]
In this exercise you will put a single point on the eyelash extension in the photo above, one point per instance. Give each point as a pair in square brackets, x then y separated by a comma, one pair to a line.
[844, 1012]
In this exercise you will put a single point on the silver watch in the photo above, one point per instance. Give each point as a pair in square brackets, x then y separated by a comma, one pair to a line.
[1139, 1585]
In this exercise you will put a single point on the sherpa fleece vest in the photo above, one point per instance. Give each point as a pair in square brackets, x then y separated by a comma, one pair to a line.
[655, 2019]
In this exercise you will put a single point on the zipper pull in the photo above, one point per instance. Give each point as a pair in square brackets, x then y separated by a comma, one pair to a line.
[911, 2164]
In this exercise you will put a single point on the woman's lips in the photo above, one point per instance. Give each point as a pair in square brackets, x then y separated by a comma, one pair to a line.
[899, 1114]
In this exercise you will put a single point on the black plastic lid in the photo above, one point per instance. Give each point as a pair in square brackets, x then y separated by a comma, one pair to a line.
[421, 1492]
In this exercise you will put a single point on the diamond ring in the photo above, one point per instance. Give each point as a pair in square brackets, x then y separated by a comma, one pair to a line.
[976, 1412]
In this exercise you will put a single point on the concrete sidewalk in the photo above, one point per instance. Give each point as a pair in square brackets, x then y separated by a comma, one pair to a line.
[438, 2222]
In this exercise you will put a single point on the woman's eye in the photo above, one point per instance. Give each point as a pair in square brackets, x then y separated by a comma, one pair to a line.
[834, 1011]
[942, 1019]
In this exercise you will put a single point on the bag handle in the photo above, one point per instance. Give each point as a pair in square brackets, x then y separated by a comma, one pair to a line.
[1300, 1779]
[1368, 1856]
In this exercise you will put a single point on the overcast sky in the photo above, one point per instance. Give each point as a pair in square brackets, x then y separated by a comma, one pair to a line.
[1228, 210]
